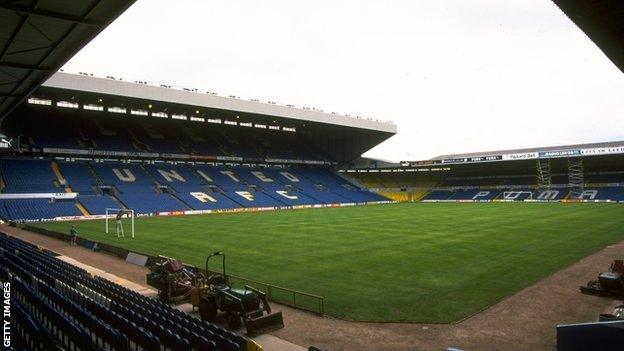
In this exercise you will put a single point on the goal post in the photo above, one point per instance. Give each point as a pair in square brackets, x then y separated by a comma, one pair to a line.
[111, 213]
[518, 194]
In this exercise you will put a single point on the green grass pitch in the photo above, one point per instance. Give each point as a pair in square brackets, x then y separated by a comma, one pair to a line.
[420, 262]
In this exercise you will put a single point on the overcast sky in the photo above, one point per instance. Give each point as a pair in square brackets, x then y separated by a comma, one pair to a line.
[455, 76]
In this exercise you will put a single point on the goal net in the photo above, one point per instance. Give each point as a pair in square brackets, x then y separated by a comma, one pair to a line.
[119, 218]
[517, 195]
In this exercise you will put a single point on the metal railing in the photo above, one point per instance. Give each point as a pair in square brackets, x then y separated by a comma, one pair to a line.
[274, 293]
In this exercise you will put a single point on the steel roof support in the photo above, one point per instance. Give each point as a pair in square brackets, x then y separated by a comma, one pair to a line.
[46, 55]
[23, 66]
[51, 14]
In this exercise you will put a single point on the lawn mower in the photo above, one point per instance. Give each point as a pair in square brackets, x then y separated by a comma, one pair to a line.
[609, 283]
[248, 305]
[175, 282]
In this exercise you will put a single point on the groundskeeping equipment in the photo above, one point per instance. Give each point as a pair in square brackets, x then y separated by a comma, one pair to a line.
[214, 295]
[609, 283]
[175, 282]
[247, 305]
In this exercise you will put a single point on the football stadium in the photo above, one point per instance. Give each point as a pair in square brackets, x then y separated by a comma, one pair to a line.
[140, 216]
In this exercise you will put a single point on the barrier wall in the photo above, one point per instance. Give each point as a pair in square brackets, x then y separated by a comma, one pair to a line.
[200, 212]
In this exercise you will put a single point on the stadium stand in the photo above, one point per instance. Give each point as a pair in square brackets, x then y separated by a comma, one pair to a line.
[57, 306]
[438, 195]
[83, 130]
[32, 209]
[517, 193]
[581, 172]
[155, 165]
[97, 205]
[600, 184]
[28, 176]
[80, 177]
[134, 188]
[606, 193]
[152, 187]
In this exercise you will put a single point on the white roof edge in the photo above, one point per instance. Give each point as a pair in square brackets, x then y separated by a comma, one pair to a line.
[108, 86]
[607, 144]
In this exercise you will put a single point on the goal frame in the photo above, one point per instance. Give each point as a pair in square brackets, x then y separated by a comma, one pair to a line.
[519, 192]
[114, 212]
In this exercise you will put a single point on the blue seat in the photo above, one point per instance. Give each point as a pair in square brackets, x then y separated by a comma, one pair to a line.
[232, 346]
[131, 319]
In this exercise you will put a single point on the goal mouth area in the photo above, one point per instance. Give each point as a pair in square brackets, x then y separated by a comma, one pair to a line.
[112, 213]
[115, 211]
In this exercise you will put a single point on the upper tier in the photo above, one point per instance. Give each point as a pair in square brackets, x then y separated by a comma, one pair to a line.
[54, 131]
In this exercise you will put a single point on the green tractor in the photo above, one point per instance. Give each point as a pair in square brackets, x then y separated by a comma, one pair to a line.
[248, 305]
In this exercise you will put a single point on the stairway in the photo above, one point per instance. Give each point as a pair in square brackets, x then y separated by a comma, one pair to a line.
[138, 144]
[182, 202]
[82, 209]
[355, 182]
[84, 142]
[155, 181]
[396, 195]
[62, 182]
[94, 174]
[121, 204]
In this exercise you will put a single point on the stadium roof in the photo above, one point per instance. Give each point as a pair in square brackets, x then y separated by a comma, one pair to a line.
[38, 36]
[613, 144]
[602, 21]
[87, 84]
[605, 153]
[342, 138]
